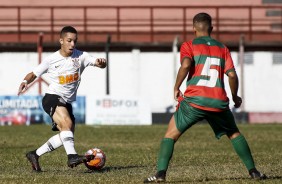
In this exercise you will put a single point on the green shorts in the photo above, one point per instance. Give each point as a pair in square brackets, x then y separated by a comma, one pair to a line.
[221, 122]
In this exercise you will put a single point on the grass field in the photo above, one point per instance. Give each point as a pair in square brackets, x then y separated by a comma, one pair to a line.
[131, 155]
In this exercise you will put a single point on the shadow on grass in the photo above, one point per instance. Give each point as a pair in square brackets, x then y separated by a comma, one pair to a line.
[275, 177]
[224, 179]
[110, 169]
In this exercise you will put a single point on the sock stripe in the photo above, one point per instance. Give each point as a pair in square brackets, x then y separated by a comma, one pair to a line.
[152, 178]
[68, 139]
[50, 146]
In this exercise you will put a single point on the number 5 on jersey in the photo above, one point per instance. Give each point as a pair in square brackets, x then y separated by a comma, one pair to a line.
[210, 72]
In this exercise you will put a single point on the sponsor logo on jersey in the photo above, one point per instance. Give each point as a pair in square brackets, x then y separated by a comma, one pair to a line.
[66, 79]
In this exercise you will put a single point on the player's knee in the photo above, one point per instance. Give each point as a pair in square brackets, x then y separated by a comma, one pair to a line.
[173, 135]
[233, 135]
[66, 123]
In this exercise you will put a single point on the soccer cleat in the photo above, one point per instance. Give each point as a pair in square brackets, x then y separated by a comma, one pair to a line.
[33, 159]
[158, 178]
[75, 159]
[255, 174]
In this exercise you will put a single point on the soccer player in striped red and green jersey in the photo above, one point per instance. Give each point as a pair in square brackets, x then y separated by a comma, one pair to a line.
[210, 60]
[205, 61]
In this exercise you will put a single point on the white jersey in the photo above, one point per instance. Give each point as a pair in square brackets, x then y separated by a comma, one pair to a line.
[64, 72]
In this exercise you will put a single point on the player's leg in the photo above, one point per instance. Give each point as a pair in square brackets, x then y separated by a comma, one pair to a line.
[167, 145]
[64, 119]
[224, 123]
[52, 144]
[165, 152]
[243, 150]
[49, 103]
[185, 117]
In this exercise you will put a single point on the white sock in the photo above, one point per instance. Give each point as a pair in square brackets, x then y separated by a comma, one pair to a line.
[68, 141]
[52, 144]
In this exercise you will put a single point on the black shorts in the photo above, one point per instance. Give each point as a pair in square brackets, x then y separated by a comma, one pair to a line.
[51, 101]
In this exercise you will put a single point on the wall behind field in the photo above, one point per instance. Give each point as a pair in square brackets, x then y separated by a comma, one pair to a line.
[151, 75]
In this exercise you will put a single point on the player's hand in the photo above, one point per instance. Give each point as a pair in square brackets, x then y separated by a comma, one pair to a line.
[100, 62]
[23, 87]
[177, 94]
[237, 100]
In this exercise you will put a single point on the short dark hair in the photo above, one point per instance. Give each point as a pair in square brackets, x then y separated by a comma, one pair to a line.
[203, 22]
[67, 29]
[204, 18]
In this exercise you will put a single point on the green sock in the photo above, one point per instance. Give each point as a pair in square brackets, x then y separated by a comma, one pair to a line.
[242, 149]
[165, 154]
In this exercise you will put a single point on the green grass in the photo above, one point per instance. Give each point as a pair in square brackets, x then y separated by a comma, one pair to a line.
[131, 155]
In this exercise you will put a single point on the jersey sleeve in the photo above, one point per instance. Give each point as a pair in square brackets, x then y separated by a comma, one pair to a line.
[229, 66]
[41, 68]
[88, 60]
[186, 51]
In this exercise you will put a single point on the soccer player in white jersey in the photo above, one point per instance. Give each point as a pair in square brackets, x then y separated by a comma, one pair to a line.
[64, 68]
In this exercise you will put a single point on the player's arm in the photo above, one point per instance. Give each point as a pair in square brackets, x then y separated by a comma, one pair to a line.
[100, 62]
[181, 75]
[234, 85]
[89, 60]
[29, 78]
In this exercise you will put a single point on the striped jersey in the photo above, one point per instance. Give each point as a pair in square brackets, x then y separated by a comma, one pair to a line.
[205, 83]
[64, 72]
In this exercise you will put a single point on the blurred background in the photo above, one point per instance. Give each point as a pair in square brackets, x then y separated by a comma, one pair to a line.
[141, 40]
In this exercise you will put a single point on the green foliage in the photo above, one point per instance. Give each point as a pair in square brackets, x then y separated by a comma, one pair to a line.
[131, 155]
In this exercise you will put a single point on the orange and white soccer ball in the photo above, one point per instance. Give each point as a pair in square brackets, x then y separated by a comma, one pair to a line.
[98, 162]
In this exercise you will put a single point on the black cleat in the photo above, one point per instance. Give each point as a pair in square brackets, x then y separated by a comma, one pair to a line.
[75, 159]
[255, 174]
[33, 159]
[158, 178]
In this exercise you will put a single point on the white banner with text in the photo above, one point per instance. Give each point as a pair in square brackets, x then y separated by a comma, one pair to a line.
[115, 110]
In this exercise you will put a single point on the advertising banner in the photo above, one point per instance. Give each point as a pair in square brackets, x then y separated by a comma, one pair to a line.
[112, 110]
[26, 110]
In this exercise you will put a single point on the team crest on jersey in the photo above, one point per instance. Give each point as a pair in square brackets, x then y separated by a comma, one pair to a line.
[75, 62]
